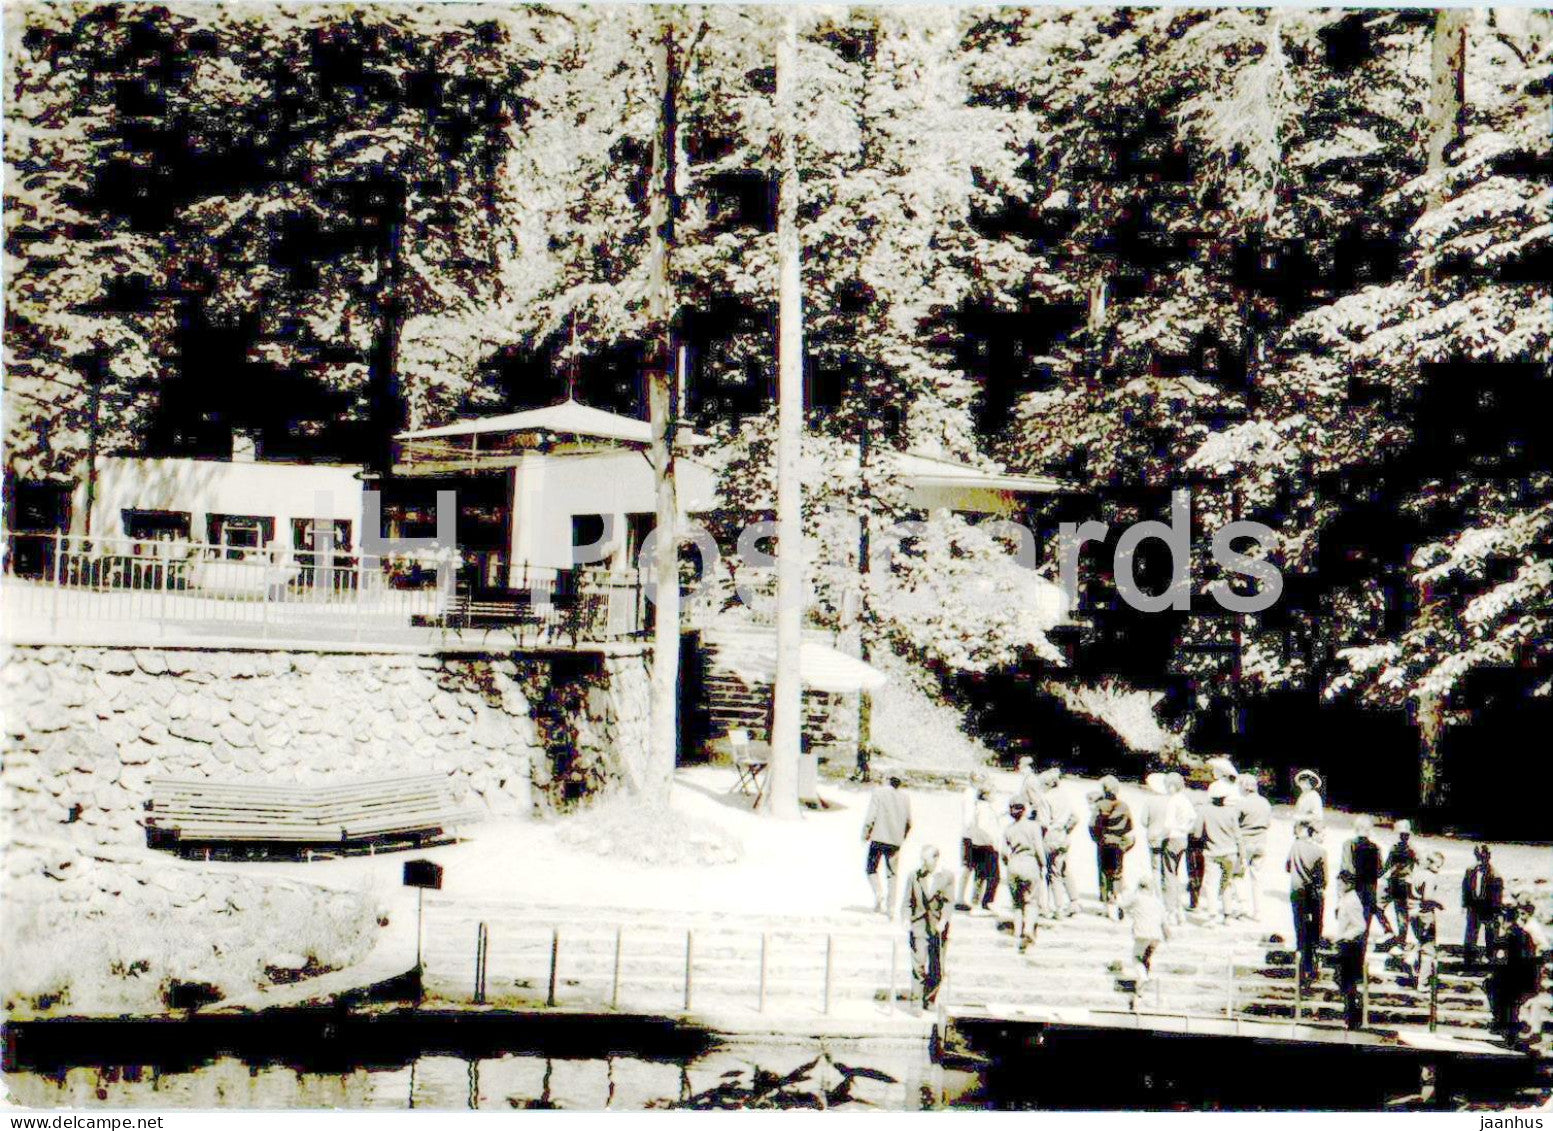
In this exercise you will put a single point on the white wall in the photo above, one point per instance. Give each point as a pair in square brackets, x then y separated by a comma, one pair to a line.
[282, 491]
[549, 489]
[962, 500]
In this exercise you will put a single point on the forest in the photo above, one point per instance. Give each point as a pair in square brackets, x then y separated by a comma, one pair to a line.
[1294, 261]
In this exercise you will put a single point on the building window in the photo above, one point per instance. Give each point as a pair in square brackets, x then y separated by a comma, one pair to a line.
[589, 533]
[306, 534]
[156, 526]
[240, 535]
[638, 527]
[40, 505]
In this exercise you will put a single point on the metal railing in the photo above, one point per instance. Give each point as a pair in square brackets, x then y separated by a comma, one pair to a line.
[54, 581]
[595, 965]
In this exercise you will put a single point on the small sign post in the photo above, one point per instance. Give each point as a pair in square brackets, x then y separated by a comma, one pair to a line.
[420, 875]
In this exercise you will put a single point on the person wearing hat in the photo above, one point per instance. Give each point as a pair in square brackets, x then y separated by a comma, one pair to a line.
[1112, 828]
[1307, 867]
[1396, 882]
[1482, 893]
[1196, 850]
[1039, 800]
[1309, 806]
[1222, 769]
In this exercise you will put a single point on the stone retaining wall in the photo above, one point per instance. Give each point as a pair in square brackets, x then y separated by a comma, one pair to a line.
[97, 922]
[88, 727]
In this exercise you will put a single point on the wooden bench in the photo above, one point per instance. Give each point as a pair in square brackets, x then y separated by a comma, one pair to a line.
[184, 814]
[485, 609]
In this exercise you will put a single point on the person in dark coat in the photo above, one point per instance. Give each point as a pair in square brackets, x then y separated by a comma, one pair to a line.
[1361, 860]
[1518, 976]
[1112, 830]
[1396, 882]
[1482, 893]
[1196, 852]
[1351, 936]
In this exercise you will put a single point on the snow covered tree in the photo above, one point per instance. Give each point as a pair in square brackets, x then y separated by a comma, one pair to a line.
[83, 339]
[1473, 294]
[315, 177]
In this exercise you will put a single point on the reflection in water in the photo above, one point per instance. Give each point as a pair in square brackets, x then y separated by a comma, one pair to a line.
[795, 1075]
[1055, 1073]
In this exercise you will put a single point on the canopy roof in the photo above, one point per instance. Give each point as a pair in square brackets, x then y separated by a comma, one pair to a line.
[923, 470]
[751, 655]
[565, 419]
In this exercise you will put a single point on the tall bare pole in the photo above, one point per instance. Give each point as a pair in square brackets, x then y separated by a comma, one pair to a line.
[787, 693]
[663, 415]
[1447, 110]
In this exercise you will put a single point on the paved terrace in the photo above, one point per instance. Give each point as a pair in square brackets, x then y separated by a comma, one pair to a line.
[34, 612]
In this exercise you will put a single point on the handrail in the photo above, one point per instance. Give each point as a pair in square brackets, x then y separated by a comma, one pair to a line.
[739, 958]
[54, 578]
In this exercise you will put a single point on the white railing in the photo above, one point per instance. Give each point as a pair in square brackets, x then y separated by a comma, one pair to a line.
[63, 578]
[54, 581]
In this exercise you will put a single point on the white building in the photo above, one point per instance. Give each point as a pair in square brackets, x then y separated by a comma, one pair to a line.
[239, 504]
[546, 488]
[571, 484]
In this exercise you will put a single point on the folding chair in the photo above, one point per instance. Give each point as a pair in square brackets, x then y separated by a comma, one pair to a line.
[749, 769]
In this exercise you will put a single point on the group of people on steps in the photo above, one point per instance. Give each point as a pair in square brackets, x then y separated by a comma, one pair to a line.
[1207, 852]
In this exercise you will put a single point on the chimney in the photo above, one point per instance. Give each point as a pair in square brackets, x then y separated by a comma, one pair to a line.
[245, 446]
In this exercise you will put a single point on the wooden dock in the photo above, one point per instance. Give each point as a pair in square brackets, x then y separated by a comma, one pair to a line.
[850, 974]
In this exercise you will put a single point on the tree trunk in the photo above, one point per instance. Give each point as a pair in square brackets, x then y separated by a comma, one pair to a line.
[787, 692]
[865, 538]
[663, 415]
[385, 405]
[865, 421]
[1447, 124]
[1099, 301]
[94, 369]
[1447, 93]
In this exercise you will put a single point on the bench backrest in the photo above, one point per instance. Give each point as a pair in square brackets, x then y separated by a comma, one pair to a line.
[420, 800]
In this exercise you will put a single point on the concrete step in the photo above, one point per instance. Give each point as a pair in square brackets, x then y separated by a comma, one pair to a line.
[1383, 1016]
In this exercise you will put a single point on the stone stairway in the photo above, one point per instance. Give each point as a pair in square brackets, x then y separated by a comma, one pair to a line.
[1232, 971]
[805, 966]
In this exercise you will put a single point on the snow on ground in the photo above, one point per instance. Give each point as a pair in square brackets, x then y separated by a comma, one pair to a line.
[810, 866]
